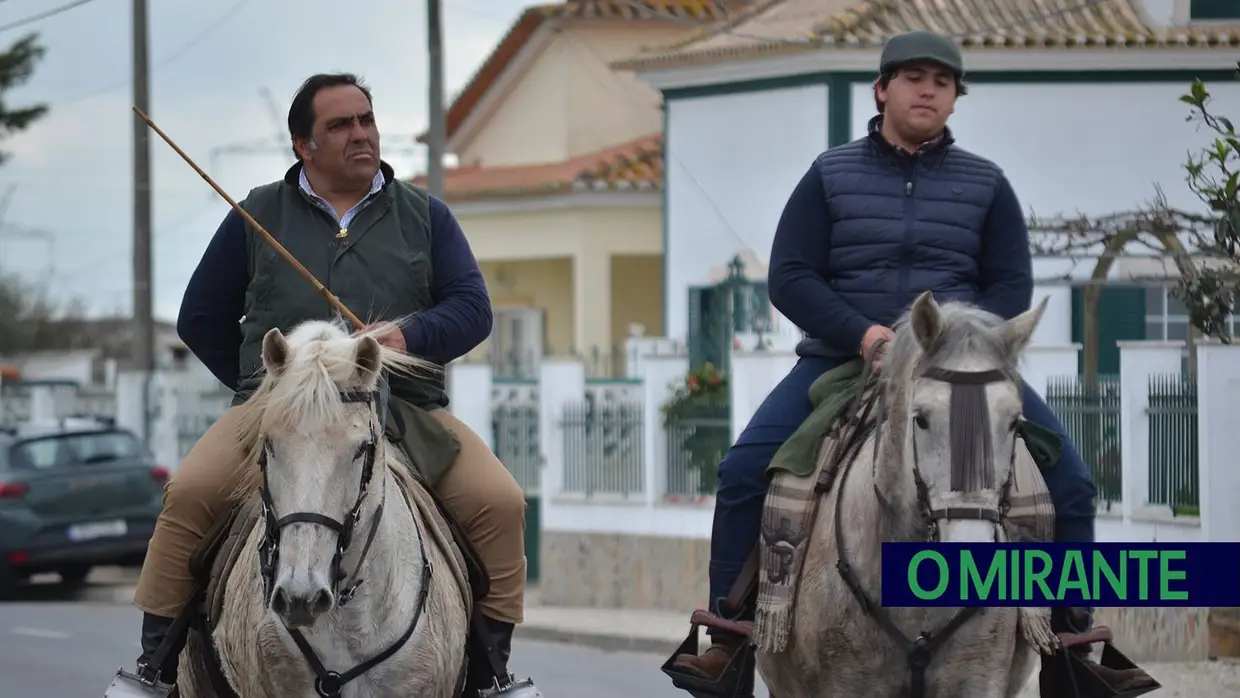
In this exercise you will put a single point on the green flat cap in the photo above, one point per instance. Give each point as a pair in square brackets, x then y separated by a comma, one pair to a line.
[921, 45]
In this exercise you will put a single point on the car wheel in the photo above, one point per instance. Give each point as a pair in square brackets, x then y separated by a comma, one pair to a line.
[73, 575]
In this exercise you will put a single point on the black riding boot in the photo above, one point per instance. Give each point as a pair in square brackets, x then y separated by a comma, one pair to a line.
[154, 629]
[481, 675]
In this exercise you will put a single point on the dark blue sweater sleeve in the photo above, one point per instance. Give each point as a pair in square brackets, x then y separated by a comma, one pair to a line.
[1005, 282]
[461, 317]
[797, 278]
[214, 301]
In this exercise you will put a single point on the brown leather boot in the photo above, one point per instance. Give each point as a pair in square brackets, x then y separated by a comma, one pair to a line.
[711, 663]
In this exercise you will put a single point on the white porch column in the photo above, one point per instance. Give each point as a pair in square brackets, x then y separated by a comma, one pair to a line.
[1041, 361]
[660, 375]
[560, 381]
[1218, 440]
[469, 397]
[1137, 362]
[591, 300]
[752, 376]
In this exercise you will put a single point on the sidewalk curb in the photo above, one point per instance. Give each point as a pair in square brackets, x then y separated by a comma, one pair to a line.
[606, 642]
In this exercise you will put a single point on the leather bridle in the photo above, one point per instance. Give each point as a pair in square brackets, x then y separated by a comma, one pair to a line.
[857, 428]
[328, 684]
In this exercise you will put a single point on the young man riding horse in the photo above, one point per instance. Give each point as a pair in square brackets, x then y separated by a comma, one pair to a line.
[387, 250]
[871, 225]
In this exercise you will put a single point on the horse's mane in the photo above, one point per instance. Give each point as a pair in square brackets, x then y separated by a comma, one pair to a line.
[967, 330]
[322, 363]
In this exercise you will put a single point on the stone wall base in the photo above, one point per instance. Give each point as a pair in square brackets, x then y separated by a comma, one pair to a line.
[602, 570]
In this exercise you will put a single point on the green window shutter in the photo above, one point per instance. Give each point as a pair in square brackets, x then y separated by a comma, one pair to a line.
[696, 319]
[1121, 317]
[709, 339]
[1214, 9]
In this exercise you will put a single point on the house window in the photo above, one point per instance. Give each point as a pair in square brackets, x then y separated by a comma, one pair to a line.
[1213, 9]
[1166, 318]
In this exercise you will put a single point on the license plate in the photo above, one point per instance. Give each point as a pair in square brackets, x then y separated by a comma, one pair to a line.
[99, 529]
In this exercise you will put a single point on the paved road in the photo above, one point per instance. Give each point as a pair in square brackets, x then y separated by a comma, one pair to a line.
[51, 645]
[67, 649]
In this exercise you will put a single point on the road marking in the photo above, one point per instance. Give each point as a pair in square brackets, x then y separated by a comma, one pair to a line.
[40, 633]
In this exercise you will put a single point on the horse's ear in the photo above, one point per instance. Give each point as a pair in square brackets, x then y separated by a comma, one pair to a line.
[369, 359]
[926, 320]
[1017, 332]
[275, 351]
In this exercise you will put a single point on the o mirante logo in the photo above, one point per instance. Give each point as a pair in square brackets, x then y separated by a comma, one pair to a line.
[1061, 574]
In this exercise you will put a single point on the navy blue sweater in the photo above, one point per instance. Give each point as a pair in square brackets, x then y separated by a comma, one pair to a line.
[214, 301]
[800, 288]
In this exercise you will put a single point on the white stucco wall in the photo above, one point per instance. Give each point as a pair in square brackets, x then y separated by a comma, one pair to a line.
[1095, 148]
[732, 161]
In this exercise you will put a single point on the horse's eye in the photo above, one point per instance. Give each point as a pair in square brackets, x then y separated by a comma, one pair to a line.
[921, 420]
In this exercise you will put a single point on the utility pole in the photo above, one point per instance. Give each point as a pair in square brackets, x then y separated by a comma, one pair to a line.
[436, 139]
[143, 311]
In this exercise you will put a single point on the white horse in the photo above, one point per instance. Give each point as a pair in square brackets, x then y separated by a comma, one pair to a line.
[343, 569]
[944, 458]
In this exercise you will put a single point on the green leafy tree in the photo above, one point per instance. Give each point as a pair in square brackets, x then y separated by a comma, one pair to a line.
[1214, 176]
[697, 420]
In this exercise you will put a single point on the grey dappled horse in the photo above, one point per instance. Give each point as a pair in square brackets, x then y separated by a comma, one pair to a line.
[950, 400]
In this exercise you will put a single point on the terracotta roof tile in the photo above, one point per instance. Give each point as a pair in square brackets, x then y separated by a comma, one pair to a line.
[786, 26]
[636, 165]
[705, 11]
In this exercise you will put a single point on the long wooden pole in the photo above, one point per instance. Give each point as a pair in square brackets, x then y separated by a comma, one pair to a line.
[331, 297]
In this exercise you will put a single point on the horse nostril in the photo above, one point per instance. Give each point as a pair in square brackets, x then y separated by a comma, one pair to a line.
[280, 601]
[322, 602]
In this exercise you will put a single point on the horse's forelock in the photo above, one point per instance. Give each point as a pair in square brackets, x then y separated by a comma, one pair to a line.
[322, 363]
[967, 331]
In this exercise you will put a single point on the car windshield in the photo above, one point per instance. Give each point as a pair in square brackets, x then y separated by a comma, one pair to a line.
[73, 449]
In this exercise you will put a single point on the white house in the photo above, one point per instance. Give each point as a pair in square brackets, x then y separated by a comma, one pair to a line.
[1077, 100]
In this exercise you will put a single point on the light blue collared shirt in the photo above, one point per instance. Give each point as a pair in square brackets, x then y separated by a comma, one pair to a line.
[375, 185]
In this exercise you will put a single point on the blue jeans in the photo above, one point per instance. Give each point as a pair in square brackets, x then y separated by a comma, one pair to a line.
[743, 480]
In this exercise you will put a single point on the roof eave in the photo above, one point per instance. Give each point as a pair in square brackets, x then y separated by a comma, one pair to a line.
[560, 188]
[774, 60]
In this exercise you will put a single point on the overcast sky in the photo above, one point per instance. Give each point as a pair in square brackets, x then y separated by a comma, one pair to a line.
[209, 61]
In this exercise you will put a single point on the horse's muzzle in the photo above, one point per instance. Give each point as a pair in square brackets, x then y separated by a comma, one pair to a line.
[299, 610]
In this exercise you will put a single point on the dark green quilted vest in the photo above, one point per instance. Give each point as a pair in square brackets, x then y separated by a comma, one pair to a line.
[381, 270]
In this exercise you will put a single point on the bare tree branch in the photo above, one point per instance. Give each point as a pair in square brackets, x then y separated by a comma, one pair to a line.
[32, 320]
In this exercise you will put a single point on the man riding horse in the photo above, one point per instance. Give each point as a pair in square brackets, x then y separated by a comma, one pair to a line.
[871, 225]
[388, 250]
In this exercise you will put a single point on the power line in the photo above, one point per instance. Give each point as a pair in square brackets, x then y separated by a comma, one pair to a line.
[43, 15]
[198, 38]
[171, 57]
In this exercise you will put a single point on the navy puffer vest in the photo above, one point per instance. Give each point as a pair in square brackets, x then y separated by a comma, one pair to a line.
[902, 224]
